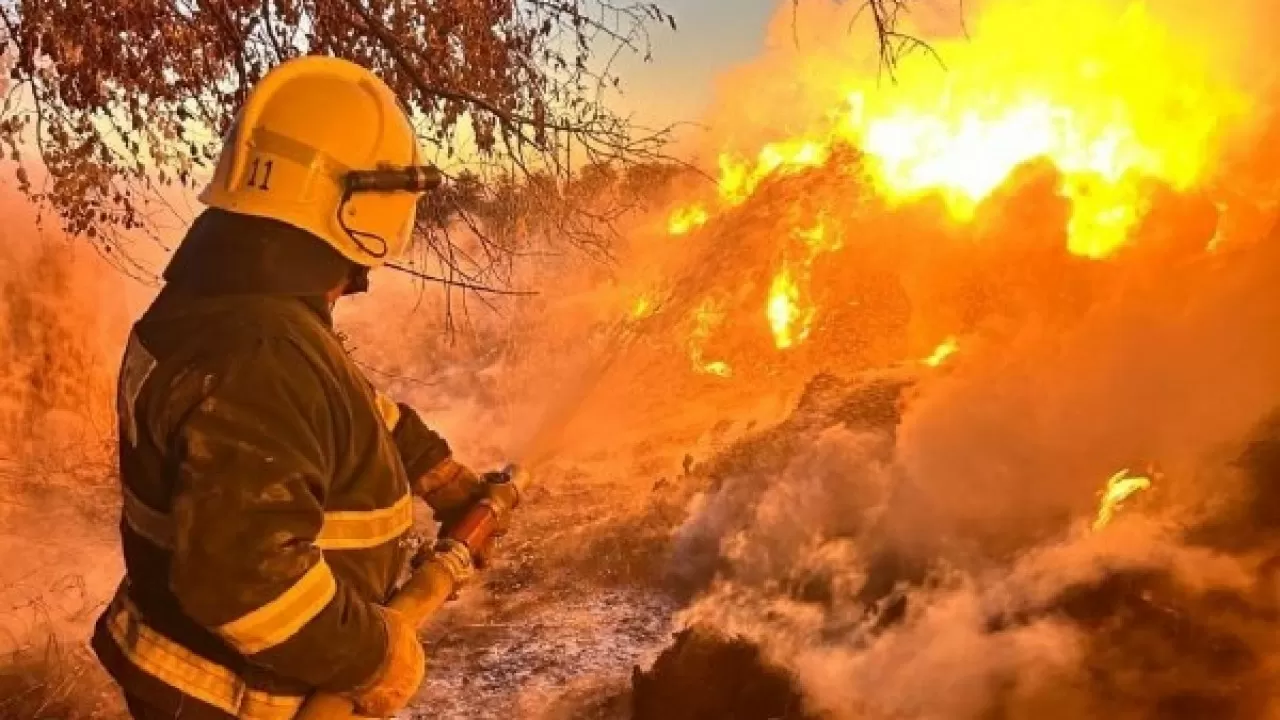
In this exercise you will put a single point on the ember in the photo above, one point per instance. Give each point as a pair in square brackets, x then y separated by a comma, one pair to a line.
[686, 220]
[1120, 487]
[940, 354]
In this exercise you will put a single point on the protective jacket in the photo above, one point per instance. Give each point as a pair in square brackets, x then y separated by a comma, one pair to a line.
[267, 485]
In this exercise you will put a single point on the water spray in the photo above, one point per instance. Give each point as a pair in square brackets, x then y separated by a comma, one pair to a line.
[451, 562]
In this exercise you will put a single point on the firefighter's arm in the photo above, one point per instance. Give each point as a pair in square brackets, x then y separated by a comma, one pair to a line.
[256, 456]
[449, 487]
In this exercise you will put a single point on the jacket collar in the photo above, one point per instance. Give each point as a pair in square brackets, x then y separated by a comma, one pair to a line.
[225, 254]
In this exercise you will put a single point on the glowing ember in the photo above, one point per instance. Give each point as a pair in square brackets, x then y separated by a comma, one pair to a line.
[1120, 487]
[719, 368]
[643, 307]
[706, 317]
[940, 354]
[686, 220]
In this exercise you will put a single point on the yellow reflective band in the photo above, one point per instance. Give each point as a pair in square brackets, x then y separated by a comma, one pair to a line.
[359, 529]
[282, 618]
[152, 525]
[190, 674]
[388, 410]
[342, 529]
[258, 705]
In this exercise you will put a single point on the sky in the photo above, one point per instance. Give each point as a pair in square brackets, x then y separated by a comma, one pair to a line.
[711, 36]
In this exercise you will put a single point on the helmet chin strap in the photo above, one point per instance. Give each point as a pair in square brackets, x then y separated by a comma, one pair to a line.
[377, 253]
[411, 179]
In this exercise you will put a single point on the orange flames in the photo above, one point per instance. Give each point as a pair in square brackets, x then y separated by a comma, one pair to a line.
[788, 321]
[642, 308]
[1110, 98]
[686, 220]
[740, 178]
[789, 309]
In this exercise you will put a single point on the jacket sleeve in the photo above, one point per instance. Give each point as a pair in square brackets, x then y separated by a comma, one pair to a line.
[255, 456]
[450, 489]
[421, 448]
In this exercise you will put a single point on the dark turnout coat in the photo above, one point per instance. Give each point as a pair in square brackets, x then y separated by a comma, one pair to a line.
[267, 485]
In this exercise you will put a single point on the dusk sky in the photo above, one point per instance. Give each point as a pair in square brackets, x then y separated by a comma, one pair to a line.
[712, 36]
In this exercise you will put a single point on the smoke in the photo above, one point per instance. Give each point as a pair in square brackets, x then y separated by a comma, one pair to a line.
[940, 565]
[1166, 369]
[64, 316]
[62, 321]
[922, 567]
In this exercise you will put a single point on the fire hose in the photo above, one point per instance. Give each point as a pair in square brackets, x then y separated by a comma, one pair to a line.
[444, 572]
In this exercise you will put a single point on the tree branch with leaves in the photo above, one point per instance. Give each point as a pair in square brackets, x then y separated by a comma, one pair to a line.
[121, 101]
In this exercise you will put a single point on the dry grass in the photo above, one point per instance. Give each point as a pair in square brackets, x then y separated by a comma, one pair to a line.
[49, 678]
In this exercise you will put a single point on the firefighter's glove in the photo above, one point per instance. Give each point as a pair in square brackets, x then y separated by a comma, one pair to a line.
[450, 488]
[401, 673]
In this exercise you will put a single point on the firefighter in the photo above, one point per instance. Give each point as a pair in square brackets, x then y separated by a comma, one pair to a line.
[267, 485]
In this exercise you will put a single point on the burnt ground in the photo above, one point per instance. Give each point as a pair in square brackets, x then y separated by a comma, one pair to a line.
[554, 629]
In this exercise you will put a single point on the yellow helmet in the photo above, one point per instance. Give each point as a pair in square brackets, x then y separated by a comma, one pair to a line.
[323, 145]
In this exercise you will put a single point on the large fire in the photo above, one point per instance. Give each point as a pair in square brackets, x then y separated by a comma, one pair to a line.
[1109, 97]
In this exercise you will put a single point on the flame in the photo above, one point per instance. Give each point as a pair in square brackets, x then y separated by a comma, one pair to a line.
[1120, 487]
[944, 350]
[788, 307]
[719, 368]
[706, 318]
[1111, 99]
[788, 320]
[739, 178]
[687, 219]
